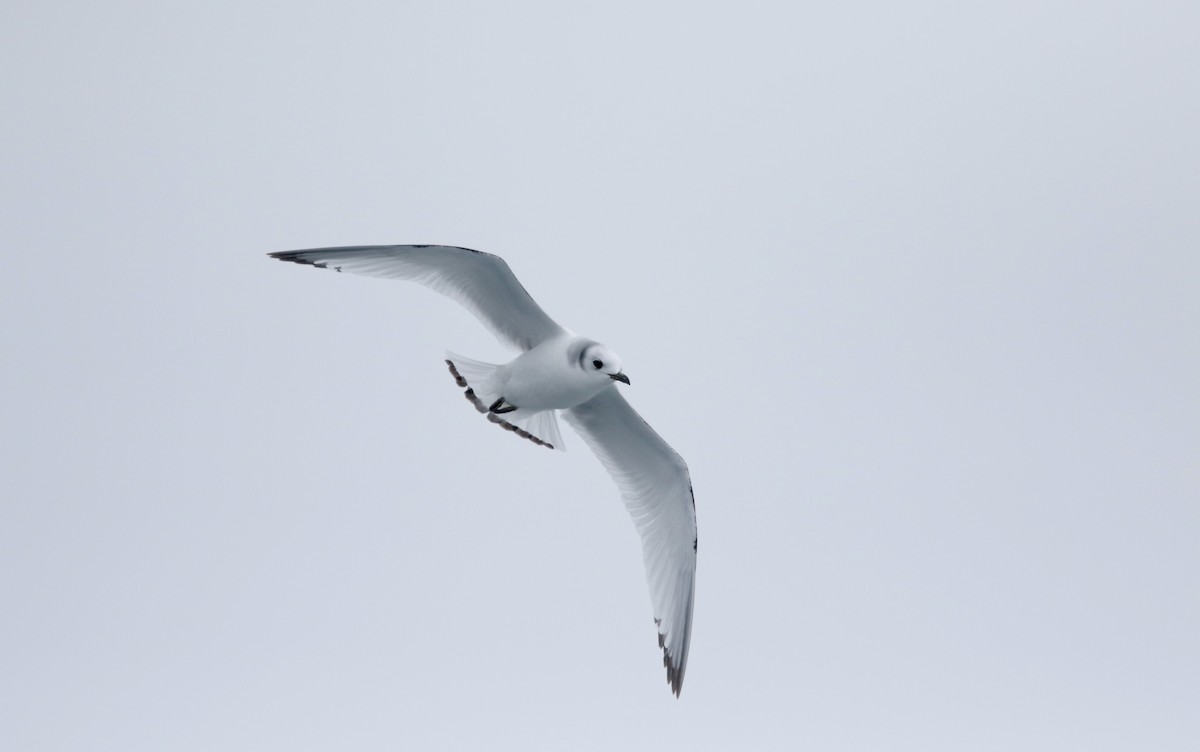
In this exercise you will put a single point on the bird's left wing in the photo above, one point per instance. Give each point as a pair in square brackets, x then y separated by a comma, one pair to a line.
[657, 489]
[481, 282]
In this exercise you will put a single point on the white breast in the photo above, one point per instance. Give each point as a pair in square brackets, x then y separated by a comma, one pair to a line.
[546, 378]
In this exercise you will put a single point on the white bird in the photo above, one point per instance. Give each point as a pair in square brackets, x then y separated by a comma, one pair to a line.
[559, 370]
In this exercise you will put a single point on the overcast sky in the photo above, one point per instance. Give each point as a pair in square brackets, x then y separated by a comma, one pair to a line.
[914, 289]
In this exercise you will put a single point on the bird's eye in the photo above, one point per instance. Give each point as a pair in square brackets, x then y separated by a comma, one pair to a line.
[598, 364]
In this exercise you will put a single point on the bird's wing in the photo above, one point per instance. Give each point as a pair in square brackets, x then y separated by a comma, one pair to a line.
[480, 282]
[657, 489]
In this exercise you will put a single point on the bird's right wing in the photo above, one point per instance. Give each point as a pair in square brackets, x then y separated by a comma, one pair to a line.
[657, 490]
[480, 282]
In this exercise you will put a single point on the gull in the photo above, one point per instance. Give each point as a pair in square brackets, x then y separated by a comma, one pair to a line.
[558, 370]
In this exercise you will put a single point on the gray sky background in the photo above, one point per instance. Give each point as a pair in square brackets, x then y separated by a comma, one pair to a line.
[914, 288]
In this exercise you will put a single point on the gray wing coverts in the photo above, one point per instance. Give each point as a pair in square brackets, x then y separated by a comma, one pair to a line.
[480, 282]
[657, 489]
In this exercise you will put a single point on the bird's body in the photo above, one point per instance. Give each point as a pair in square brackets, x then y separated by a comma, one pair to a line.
[546, 377]
[557, 370]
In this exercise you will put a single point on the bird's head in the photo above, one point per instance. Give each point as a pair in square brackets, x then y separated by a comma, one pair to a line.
[602, 363]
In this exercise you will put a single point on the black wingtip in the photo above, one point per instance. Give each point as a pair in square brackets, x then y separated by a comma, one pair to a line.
[300, 257]
[674, 675]
[292, 256]
[674, 672]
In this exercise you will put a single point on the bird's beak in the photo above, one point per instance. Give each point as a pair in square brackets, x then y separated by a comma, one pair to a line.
[619, 377]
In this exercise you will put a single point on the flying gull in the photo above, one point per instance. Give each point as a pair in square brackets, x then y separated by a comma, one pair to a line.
[557, 370]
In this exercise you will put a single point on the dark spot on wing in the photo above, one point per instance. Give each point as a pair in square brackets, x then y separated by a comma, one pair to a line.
[298, 257]
[696, 537]
[295, 257]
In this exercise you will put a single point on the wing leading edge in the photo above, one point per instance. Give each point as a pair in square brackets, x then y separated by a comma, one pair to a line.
[480, 282]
